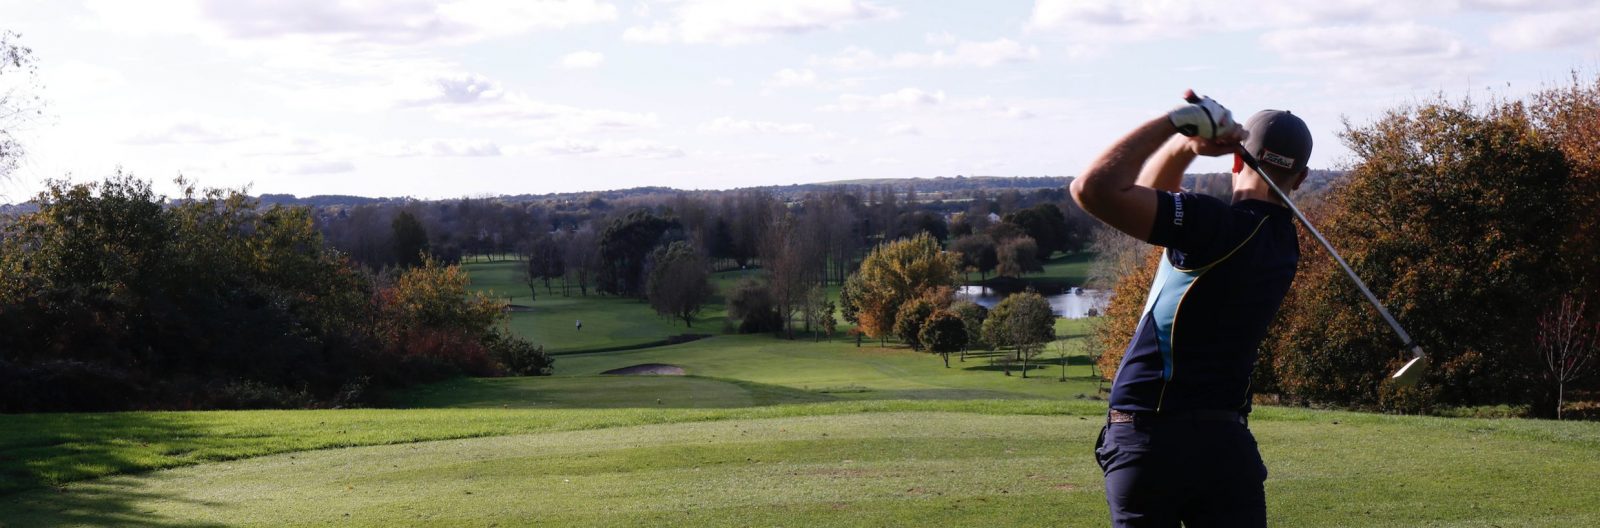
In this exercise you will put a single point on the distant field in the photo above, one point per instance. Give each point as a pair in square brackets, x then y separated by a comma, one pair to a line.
[608, 322]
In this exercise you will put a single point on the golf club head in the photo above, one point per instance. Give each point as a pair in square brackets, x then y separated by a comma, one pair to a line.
[1410, 373]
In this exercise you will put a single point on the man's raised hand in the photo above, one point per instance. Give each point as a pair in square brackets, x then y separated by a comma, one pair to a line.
[1204, 117]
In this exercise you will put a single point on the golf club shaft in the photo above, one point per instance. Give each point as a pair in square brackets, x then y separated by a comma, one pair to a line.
[1404, 337]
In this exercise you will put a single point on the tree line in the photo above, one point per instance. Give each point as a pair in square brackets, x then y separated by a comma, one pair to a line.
[115, 298]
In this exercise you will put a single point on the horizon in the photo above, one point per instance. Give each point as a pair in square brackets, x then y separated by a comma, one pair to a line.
[477, 97]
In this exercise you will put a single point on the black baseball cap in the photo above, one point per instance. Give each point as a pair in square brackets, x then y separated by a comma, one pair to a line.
[1280, 141]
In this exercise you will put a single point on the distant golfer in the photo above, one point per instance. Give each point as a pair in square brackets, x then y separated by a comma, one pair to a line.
[580, 324]
[1176, 447]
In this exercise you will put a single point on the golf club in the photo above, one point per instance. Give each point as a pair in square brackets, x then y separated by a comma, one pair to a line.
[1409, 373]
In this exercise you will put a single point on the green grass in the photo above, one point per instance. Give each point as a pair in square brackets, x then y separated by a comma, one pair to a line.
[608, 322]
[762, 432]
[992, 463]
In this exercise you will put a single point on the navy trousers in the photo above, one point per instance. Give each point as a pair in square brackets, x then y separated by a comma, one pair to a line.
[1200, 473]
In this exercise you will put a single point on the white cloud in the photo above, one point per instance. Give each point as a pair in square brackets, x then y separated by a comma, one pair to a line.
[731, 125]
[942, 38]
[722, 81]
[477, 100]
[568, 147]
[1364, 43]
[581, 60]
[1102, 22]
[788, 77]
[823, 159]
[331, 166]
[902, 129]
[1549, 30]
[195, 131]
[461, 88]
[654, 34]
[1406, 53]
[443, 148]
[730, 22]
[902, 99]
[965, 54]
[398, 22]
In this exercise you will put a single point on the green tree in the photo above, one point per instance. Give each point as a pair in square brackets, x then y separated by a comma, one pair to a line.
[943, 333]
[908, 321]
[625, 244]
[679, 283]
[410, 240]
[1045, 224]
[972, 315]
[1023, 322]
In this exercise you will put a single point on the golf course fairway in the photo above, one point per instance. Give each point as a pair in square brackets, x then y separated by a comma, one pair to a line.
[1010, 463]
[757, 431]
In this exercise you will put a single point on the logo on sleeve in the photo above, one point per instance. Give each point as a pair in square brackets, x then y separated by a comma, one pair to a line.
[1177, 209]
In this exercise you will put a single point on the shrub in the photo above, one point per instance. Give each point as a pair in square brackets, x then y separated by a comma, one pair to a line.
[519, 357]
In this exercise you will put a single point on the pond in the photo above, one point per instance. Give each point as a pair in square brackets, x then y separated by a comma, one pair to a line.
[1072, 303]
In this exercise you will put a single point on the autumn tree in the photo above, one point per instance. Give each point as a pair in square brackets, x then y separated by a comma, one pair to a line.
[976, 253]
[893, 274]
[679, 282]
[1450, 206]
[1017, 256]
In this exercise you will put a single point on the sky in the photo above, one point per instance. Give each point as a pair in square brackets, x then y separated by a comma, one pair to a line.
[488, 97]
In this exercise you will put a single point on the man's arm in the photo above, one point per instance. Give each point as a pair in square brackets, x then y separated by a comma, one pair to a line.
[1121, 189]
[1109, 189]
[1164, 171]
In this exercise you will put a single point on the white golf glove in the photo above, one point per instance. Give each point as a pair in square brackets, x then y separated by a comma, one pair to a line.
[1204, 117]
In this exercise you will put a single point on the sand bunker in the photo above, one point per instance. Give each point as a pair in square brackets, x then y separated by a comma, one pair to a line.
[648, 369]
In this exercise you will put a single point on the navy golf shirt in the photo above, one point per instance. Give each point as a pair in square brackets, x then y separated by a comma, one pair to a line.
[1223, 275]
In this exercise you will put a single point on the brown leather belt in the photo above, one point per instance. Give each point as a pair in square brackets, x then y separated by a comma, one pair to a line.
[1198, 415]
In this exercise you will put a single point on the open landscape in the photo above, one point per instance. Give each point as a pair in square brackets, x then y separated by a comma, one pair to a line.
[799, 263]
[760, 431]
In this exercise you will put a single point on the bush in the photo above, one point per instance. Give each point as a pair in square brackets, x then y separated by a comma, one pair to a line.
[114, 298]
[753, 309]
[519, 357]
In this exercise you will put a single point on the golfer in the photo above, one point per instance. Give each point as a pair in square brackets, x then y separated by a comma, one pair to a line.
[1176, 447]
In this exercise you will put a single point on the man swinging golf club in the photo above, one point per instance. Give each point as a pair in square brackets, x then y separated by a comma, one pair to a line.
[1176, 447]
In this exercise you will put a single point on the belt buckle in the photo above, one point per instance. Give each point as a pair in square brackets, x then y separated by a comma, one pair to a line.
[1116, 417]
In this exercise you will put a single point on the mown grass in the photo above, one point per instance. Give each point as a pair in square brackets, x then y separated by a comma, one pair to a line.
[609, 322]
[888, 463]
[763, 432]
